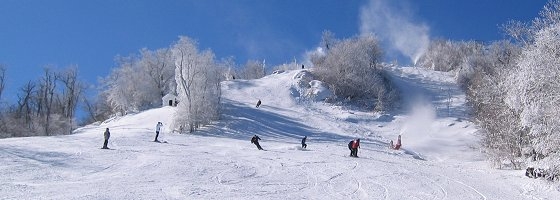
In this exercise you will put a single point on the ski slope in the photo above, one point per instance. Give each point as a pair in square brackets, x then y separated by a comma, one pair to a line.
[439, 159]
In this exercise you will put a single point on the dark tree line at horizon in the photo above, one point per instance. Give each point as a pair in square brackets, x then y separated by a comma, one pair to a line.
[44, 107]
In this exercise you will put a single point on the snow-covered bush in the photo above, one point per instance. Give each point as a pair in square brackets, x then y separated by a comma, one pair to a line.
[352, 69]
[446, 55]
[253, 70]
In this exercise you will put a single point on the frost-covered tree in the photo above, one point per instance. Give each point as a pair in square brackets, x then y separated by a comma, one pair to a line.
[44, 107]
[515, 93]
[503, 137]
[228, 68]
[198, 85]
[124, 87]
[45, 99]
[160, 68]
[535, 92]
[534, 88]
[446, 55]
[352, 69]
[253, 70]
[328, 40]
[70, 95]
[140, 81]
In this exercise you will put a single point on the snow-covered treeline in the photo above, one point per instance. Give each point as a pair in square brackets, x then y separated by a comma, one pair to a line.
[352, 68]
[139, 81]
[44, 107]
[513, 87]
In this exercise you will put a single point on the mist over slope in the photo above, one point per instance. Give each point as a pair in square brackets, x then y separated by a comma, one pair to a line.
[439, 159]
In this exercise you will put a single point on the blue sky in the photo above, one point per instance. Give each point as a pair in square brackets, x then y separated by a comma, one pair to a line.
[89, 34]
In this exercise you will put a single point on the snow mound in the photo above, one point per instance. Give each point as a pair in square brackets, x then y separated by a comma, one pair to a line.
[312, 89]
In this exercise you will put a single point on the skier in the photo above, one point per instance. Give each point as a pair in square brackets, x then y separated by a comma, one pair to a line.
[398, 145]
[258, 103]
[255, 140]
[355, 146]
[158, 129]
[107, 134]
[303, 145]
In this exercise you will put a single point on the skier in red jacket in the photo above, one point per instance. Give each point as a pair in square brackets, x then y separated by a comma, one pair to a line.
[398, 145]
[354, 145]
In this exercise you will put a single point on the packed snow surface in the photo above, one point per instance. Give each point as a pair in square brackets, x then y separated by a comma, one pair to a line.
[439, 158]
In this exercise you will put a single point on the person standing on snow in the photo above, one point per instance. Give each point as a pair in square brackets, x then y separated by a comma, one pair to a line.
[255, 140]
[158, 129]
[303, 145]
[353, 146]
[107, 135]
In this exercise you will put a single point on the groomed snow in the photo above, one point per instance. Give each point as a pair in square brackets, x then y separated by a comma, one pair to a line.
[439, 159]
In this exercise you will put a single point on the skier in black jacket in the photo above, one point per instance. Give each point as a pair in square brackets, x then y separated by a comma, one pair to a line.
[303, 145]
[255, 140]
[106, 135]
[350, 147]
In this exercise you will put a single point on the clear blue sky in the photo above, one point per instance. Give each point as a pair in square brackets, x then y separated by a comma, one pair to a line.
[35, 33]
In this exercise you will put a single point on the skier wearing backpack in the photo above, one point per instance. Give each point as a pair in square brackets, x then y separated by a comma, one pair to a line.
[351, 147]
[355, 147]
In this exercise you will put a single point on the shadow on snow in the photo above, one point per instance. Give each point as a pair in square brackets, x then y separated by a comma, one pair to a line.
[242, 122]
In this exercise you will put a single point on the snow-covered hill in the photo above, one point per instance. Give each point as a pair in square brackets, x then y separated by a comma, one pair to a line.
[439, 159]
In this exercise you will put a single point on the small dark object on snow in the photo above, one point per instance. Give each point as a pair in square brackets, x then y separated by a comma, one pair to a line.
[258, 103]
[303, 145]
[531, 172]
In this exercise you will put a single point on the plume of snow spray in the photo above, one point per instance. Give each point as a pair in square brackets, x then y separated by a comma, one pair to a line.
[419, 125]
[394, 25]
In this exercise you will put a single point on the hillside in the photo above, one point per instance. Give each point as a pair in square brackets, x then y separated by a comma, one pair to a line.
[439, 159]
